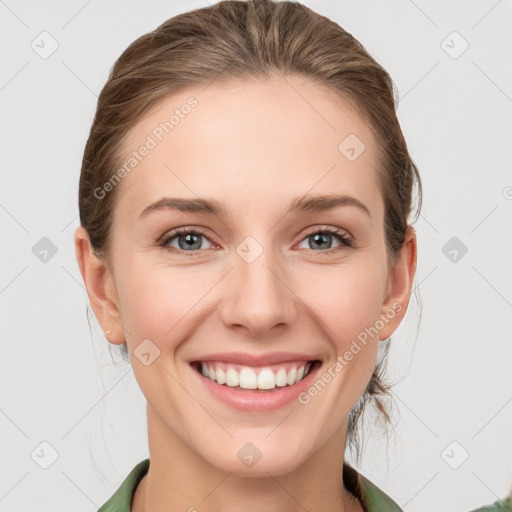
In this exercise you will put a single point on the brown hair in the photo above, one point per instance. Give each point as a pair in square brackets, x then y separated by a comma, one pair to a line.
[248, 39]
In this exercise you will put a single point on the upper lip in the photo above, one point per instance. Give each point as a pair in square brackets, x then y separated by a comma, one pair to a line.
[254, 360]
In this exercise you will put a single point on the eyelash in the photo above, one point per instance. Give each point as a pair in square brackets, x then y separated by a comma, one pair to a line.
[341, 235]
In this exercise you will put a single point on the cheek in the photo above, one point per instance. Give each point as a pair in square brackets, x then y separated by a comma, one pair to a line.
[346, 300]
[158, 300]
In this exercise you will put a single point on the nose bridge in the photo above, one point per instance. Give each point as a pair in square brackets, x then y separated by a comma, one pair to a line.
[257, 298]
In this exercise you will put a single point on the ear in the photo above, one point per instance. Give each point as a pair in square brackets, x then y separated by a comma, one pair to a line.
[100, 288]
[399, 286]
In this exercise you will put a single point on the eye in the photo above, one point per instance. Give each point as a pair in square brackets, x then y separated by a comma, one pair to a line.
[323, 238]
[188, 240]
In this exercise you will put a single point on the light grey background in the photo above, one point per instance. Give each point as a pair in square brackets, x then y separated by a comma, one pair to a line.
[59, 384]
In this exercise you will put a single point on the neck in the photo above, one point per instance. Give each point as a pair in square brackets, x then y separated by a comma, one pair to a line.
[178, 479]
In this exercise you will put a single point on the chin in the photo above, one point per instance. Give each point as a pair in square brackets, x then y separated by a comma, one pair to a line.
[251, 462]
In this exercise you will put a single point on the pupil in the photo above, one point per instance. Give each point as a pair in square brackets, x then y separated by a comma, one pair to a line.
[319, 238]
[189, 241]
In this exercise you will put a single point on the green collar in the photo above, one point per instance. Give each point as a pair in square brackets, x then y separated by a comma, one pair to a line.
[372, 498]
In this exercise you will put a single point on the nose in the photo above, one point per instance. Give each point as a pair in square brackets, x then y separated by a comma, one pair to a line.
[257, 297]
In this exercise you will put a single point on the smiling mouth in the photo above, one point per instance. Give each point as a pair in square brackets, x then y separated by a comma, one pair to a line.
[255, 379]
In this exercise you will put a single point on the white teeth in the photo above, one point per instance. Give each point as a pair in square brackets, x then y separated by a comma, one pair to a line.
[292, 376]
[220, 376]
[247, 378]
[232, 378]
[281, 378]
[266, 379]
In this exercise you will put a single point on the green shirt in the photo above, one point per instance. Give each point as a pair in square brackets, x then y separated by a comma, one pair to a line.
[500, 506]
[371, 497]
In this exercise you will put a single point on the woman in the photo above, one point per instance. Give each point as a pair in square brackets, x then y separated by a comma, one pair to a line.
[244, 204]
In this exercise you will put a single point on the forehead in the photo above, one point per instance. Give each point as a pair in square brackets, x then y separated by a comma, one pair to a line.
[274, 138]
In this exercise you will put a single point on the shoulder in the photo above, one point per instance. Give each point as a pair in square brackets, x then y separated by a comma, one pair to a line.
[499, 506]
[121, 500]
[371, 497]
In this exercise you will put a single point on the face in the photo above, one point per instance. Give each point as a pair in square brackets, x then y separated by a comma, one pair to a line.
[264, 282]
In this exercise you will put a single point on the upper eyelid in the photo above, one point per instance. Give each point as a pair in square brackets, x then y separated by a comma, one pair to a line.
[327, 228]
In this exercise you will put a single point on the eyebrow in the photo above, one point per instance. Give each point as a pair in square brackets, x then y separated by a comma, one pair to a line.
[306, 203]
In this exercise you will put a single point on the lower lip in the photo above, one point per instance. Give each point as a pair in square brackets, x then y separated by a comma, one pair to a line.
[256, 400]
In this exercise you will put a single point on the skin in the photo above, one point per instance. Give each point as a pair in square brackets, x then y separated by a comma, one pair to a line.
[254, 146]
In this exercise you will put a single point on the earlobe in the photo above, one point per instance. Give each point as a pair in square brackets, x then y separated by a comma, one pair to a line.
[399, 286]
[100, 290]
